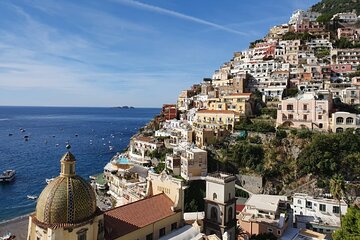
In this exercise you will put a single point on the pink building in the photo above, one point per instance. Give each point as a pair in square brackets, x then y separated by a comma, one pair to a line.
[263, 49]
[341, 68]
[264, 214]
[348, 33]
[308, 110]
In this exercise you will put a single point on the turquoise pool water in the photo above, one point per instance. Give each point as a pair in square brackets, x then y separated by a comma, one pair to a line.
[123, 160]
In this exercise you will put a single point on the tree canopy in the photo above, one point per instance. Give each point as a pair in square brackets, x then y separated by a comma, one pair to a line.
[330, 154]
[350, 225]
[331, 7]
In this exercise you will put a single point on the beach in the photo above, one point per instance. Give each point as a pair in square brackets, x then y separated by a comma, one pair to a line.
[17, 226]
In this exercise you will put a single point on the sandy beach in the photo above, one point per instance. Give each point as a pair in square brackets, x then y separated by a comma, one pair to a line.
[17, 226]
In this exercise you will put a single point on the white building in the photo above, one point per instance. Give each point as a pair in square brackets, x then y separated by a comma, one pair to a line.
[344, 120]
[300, 15]
[348, 17]
[317, 213]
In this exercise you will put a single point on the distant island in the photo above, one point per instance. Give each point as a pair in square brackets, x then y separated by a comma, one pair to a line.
[125, 107]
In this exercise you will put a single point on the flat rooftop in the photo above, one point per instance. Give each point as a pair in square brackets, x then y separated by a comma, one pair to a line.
[265, 202]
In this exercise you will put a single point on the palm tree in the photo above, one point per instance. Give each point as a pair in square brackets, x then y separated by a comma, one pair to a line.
[337, 189]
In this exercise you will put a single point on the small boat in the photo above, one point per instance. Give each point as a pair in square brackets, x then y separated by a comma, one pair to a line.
[31, 197]
[56, 145]
[48, 180]
[10, 134]
[7, 176]
[76, 135]
[111, 148]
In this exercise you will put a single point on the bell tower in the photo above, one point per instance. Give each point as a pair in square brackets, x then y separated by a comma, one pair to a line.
[220, 212]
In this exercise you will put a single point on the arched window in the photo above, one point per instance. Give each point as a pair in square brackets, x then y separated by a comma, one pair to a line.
[214, 214]
[214, 196]
[349, 120]
[230, 214]
[338, 130]
[339, 120]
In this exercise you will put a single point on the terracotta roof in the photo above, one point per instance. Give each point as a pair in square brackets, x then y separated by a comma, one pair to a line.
[216, 111]
[133, 216]
[145, 139]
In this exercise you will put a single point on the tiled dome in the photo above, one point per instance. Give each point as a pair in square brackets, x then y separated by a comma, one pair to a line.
[68, 199]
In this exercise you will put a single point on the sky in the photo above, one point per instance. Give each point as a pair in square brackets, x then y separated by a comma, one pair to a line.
[140, 53]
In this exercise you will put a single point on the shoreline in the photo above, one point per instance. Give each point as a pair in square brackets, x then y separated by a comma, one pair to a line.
[4, 222]
[17, 226]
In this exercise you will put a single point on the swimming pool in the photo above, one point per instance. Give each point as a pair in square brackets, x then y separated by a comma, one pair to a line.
[123, 160]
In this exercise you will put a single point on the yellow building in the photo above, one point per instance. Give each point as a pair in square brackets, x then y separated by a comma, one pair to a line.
[216, 119]
[151, 218]
[237, 102]
[66, 208]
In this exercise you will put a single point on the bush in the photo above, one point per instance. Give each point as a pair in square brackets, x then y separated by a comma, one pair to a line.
[248, 155]
[272, 112]
[280, 134]
[293, 132]
[255, 139]
[258, 126]
[304, 133]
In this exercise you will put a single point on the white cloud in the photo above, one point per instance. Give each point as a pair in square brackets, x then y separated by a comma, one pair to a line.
[172, 13]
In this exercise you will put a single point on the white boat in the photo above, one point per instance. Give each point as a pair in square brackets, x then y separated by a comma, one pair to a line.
[7, 176]
[111, 148]
[32, 197]
[48, 180]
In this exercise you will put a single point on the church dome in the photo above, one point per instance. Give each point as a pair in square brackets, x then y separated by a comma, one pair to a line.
[68, 199]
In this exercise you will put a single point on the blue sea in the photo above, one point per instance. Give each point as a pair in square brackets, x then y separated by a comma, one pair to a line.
[90, 132]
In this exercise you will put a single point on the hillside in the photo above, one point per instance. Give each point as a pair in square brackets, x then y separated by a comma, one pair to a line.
[335, 6]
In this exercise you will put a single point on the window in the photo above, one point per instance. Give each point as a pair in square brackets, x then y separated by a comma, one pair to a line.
[305, 117]
[336, 209]
[322, 207]
[290, 116]
[230, 214]
[289, 107]
[81, 235]
[214, 196]
[308, 204]
[149, 236]
[299, 201]
[173, 226]
[100, 230]
[279, 232]
[162, 232]
[349, 120]
[214, 214]
[270, 230]
[319, 117]
[305, 106]
[339, 120]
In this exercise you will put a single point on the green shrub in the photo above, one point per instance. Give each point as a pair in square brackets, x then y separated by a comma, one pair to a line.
[255, 139]
[280, 134]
